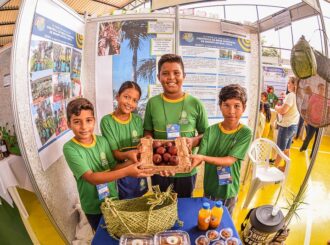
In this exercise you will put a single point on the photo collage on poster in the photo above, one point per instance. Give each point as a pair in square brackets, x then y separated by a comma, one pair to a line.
[55, 68]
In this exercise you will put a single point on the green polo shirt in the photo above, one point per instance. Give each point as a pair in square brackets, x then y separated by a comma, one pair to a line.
[96, 157]
[122, 135]
[218, 142]
[187, 111]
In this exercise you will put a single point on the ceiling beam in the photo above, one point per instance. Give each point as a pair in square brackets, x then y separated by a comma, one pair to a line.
[9, 8]
[3, 2]
[108, 4]
[6, 35]
[285, 17]
[7, 23]
[134, 4]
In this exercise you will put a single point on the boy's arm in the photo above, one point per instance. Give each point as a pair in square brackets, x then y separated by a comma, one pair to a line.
[121, 156]
[104, 177]
[123, 165]
[194, 141]
[218, 161]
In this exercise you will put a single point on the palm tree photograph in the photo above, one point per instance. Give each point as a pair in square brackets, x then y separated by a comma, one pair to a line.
[134, 61]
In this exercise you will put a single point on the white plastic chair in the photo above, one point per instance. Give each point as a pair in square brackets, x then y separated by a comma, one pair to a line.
[263, 173]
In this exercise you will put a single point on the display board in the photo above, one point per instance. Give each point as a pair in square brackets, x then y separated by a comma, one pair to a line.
[213, 61]
[55, 68]
[275, 76]
[131, 48]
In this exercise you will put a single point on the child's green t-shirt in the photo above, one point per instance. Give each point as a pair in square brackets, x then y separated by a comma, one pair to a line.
[218, 142]
[272, 99]
[122, 135]
[96, 157]
[188, 111]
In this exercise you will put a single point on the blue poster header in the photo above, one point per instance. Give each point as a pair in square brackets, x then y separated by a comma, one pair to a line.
[198, 39]
[53, 31]
[275, 69]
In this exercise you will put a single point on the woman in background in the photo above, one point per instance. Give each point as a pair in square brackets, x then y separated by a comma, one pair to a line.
[288, 124]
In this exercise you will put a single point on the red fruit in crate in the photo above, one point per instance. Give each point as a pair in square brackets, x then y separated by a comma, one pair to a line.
[174, 160]
[173, 150]
[156, 144]
[161, 150]
[168, 144]
[166, 157]
[157, 159]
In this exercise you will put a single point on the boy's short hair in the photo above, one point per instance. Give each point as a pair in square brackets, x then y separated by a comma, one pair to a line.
[233, 91]
[171, 58]
[75, 106]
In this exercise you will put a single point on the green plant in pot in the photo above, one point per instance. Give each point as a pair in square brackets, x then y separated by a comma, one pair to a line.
[294, 204]
[10, 139]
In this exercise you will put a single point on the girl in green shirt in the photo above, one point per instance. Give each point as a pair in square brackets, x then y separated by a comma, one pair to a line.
[123, 130]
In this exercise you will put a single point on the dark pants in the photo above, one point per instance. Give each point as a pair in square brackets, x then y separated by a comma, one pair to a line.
[184, 186]
[94, 220]
[309, 135]
[130, 187]
[300, 125]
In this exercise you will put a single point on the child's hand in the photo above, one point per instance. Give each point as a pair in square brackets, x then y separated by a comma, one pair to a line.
[189, 142]
[196, 160]
[133, 170]
[133, 155]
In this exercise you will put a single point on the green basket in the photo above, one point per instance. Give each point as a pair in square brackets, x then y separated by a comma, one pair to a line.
[148, 214]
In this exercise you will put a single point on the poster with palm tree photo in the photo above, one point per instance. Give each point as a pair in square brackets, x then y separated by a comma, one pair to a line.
[132, 59]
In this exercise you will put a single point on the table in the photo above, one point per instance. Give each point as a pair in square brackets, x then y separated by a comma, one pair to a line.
[188, 211]
[13, 174]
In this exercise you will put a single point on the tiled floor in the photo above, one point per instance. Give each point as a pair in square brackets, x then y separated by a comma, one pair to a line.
[312, 226]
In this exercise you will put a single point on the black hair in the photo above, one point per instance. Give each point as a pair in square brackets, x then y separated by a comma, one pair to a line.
[267, 111]
[75, 106]
[233, 91]
[171, 58]
[129, 84]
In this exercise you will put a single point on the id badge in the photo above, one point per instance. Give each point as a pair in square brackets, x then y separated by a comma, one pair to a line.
[102, 191]
[224, 175]
[173, 131]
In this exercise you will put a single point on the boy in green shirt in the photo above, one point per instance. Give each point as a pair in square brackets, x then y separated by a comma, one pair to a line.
[223, 147]
[271, 97]
[175, 107]
[91, 161]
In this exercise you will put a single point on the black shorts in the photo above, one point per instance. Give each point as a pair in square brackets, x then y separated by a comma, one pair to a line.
[184, 186]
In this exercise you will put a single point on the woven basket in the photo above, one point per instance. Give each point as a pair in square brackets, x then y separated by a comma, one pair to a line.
[146, 150]
[147, 214]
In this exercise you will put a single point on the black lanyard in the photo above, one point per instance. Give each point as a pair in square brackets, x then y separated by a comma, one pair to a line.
[181, 108]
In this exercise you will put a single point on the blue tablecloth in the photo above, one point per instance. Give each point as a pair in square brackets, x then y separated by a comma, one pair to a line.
[188, 212]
